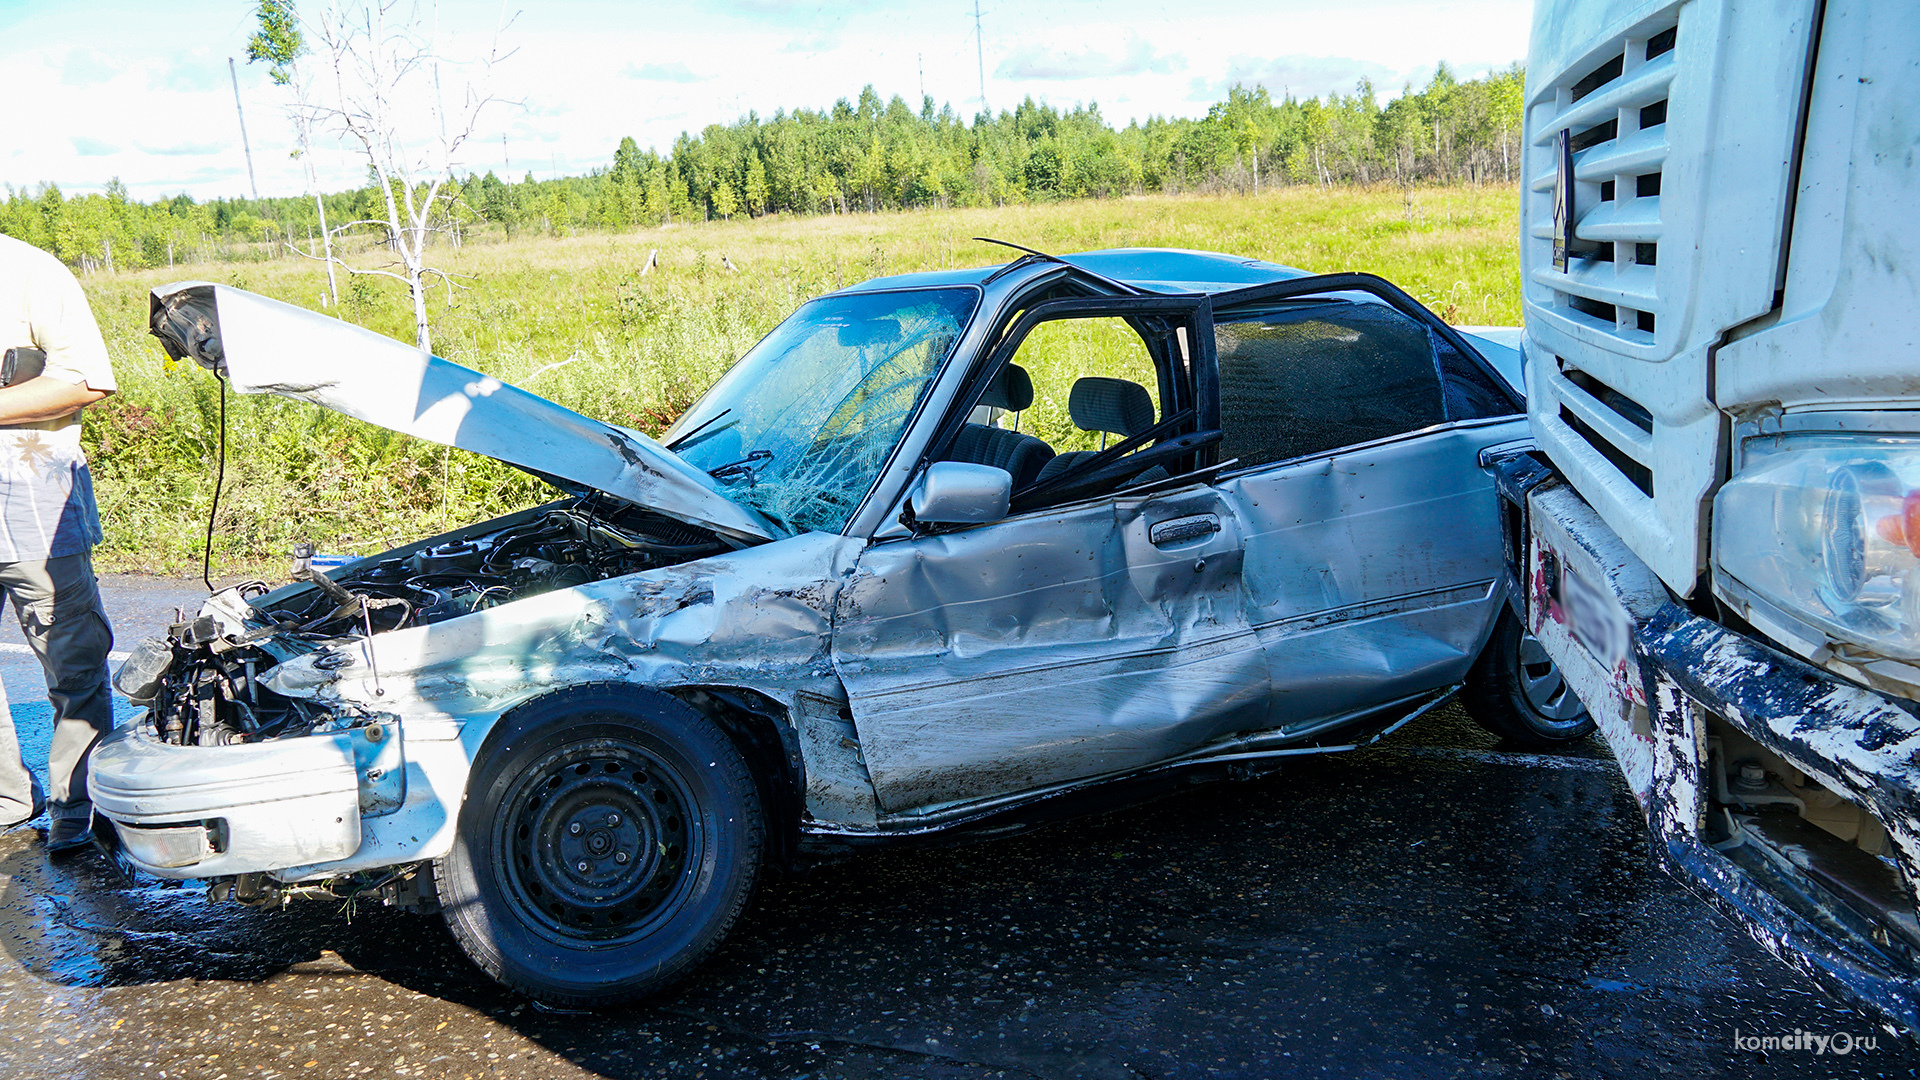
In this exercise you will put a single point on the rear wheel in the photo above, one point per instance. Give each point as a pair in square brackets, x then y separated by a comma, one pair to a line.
[1516, 692]
[609, 840]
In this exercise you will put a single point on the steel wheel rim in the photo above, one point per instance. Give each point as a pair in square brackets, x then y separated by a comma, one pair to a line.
[1541, 684]
[600, 843]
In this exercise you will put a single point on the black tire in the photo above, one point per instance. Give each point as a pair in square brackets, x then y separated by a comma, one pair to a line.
[609, 839]
[1515, 692]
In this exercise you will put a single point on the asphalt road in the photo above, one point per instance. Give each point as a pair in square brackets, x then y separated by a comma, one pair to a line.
[1436, 907]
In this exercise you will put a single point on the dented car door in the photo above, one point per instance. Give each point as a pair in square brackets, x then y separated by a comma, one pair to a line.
[1372, 574]
[1060, 643]
[1373, 551]
[1049, 647]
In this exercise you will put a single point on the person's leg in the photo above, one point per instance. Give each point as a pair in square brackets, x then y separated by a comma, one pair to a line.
[58, 603]
[21, 797]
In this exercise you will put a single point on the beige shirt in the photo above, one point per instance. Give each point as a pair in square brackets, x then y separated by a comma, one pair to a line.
[46, 494]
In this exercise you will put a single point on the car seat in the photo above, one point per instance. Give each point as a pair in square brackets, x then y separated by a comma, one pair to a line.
[1024, 456]
[1112, 406]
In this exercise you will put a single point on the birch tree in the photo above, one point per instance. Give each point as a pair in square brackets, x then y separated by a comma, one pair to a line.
[381, 92]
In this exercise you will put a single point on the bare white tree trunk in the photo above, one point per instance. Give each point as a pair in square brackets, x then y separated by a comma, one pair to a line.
[326, 239]
[384, 74]
[423, 332]
[244, 145]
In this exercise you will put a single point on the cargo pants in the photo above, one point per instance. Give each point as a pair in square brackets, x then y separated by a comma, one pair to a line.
[58, 604]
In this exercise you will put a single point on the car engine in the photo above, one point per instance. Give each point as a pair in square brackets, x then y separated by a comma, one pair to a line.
[203, 684]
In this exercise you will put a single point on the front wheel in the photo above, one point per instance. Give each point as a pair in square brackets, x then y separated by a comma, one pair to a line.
[609, 839]
[1516, 692]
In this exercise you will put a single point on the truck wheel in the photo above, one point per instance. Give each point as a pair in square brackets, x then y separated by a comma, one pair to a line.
[1516, 692]
[608, 841]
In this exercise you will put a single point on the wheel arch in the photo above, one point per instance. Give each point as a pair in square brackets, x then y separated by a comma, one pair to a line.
[762, 728]
[759, 726]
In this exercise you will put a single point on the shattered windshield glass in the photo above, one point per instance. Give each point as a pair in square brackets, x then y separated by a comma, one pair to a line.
[799, 427]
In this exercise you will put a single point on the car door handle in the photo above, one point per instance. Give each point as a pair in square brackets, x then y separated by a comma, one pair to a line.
[1182, 529]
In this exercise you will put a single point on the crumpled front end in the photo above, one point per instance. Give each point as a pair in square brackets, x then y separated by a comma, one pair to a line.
[326, 729]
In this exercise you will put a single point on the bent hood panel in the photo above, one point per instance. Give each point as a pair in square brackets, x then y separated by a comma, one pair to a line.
[264, 346]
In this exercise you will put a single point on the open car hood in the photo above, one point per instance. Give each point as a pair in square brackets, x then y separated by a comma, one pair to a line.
[263, 346]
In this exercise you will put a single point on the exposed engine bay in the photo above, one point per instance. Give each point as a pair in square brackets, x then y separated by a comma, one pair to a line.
[206, 683]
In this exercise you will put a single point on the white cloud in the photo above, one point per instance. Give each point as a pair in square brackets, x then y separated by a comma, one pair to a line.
[86, 147]
[1040, 62]
[1300, 76]
[786, 12]
[196, 75]
[812, 43]
[85, 66]
[675, 71]
[184, 149]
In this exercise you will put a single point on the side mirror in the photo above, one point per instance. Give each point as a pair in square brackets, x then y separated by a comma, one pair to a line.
[960, 493]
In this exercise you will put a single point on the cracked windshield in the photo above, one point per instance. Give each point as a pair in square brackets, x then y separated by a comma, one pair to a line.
[800, 426]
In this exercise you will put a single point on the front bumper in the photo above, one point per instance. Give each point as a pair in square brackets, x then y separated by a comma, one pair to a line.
[1653, 674]
[210, 811]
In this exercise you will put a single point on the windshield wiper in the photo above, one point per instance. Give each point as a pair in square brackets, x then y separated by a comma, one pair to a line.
[743, 467]
[698, 428]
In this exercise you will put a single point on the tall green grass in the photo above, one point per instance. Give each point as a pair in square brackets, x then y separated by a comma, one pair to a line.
[575, 320]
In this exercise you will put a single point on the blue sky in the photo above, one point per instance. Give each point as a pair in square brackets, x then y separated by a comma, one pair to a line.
[140, 90]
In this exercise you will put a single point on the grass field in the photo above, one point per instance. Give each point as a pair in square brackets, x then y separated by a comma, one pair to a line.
[572, 319]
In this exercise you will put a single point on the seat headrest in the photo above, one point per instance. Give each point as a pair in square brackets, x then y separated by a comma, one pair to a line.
[1011, 389]
[1115, 406]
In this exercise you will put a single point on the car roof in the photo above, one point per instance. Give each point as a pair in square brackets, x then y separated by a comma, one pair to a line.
[1161, 270]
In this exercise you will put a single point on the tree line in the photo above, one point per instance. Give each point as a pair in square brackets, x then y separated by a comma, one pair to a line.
[860, 156]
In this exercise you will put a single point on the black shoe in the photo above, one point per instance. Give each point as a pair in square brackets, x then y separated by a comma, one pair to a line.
[69, 834]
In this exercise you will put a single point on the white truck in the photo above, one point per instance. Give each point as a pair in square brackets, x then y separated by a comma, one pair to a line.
[1720, 530]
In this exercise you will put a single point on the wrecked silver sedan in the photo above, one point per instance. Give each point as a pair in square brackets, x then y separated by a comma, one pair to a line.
[912, 566]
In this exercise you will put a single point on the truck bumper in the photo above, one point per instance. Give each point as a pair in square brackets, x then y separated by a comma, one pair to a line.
[1672, 693]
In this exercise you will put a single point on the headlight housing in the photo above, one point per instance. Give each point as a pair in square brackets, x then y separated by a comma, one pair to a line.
[1826, 529]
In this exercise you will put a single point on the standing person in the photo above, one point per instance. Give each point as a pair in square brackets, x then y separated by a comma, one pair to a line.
[48, 526]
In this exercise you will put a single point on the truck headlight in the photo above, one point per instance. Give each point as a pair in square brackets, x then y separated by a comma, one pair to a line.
[1826, 528]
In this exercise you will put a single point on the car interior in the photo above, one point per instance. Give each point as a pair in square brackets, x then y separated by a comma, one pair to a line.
[1089, 446]
[1024, 456]
[1099, 404]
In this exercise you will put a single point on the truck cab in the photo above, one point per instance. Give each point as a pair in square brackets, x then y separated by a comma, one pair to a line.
[1719, 533]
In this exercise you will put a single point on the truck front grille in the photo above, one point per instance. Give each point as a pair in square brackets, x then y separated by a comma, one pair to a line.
[1615, 425]
[1615, 113]
[1680, 119]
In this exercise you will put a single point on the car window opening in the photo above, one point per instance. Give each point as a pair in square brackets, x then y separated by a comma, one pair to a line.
[1074, 391]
